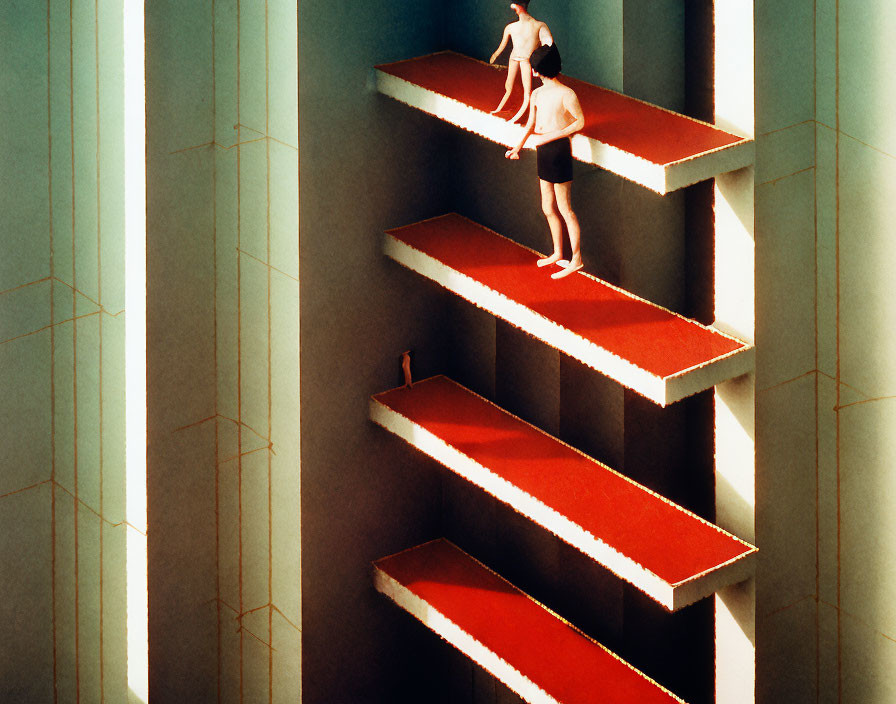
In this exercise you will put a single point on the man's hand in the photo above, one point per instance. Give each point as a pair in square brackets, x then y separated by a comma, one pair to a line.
[512, 153]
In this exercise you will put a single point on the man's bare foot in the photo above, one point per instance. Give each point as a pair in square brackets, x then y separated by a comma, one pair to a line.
[547, 261]
[568, 269]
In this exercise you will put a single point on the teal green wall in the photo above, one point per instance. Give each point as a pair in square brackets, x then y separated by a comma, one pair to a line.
[62, 351]
[223, 335]
[856, 176]
[786, 362]
[181, 377]
[233, 610]
[825, 413]
[367, 164]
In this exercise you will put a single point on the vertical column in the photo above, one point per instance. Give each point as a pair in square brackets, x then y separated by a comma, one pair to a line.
[223, 485]
[256, 294]
[181, 316]
[61, 335]
[26, 357]
[734, 312]
[135, 348]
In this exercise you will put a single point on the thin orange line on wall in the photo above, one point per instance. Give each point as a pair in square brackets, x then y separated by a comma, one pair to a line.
[268, 448]
[218, 602]
[80, 502]
[838, 370]
[267, 149]
[215, 143]
[99, 295]
[787, 381]
[269, 137]
[782, 129]
[24, 489]
[860, 620]
[223, 417]
[865, 144]
[843, 383]
[50, 327]
[774, 181]
[80, 293]
[269, 266]
[71, 87]
[243, 629]
[221, 602]
[284, 617]
[52, 371]
[817, 381]
[239, 340]
[30, 283]
[863, 402]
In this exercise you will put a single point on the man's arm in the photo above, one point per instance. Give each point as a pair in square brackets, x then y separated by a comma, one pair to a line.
[572, 106]
[504, 40]
[530, 128]
[544, 35]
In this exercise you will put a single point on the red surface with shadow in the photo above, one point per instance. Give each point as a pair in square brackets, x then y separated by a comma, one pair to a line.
[654, 134]
[649, 337]
[550, 653]
[654, 533]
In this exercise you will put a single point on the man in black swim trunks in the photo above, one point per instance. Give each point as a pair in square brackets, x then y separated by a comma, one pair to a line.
[555, 116]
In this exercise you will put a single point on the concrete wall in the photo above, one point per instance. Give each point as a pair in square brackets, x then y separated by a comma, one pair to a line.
[367, 164]
[824, 406]
[855, 142]
[62, 353]
[233, 611]
[223, 337]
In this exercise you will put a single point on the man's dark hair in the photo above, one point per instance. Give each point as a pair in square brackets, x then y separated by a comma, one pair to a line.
[546, 61]
[522, 3]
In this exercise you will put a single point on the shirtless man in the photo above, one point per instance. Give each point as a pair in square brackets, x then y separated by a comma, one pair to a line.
[555, 116]
[526, 34]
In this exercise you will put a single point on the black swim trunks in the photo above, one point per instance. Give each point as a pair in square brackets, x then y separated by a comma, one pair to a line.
[555, 161]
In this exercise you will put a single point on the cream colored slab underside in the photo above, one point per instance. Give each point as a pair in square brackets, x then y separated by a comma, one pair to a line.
[460, 639]
[658, 389]
[671, 596]
[476, 651]
[661, 178]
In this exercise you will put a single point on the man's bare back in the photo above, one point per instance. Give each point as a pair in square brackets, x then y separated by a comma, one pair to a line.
[526, 36]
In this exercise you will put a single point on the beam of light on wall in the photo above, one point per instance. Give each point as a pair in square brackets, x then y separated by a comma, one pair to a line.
[735, 308]
[735, 254]
[135, 348]
[736, 629]
[733, 67]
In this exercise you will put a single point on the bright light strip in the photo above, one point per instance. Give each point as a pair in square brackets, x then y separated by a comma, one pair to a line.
[135, 346]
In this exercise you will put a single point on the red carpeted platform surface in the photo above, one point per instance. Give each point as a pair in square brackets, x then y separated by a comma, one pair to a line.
[650, 337]
[567, 665]
[653, 532]
[647, 131]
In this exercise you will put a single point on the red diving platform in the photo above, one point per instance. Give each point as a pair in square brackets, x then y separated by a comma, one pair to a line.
[529, 648]
[649, 145]
[649, 349]
[671, 554]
